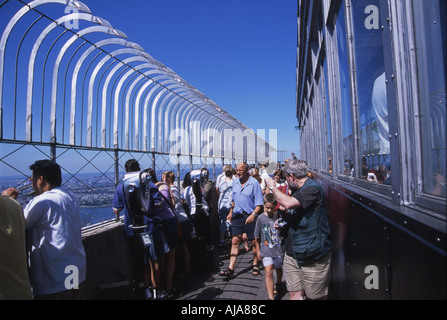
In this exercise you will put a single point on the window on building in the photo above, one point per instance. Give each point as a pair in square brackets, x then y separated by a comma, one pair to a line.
[345, 91]
[374, 145]
[430, 38]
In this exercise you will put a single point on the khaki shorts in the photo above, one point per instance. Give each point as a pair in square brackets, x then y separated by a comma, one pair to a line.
[312, 277]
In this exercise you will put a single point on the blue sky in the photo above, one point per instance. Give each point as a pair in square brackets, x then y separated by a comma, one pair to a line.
[239, 53]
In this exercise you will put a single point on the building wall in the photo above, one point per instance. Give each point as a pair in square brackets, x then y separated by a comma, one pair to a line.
[371, 110]
[371, 239]
[110, 264]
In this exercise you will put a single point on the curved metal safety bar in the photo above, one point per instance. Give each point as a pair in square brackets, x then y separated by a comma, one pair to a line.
[106, 85]
[191, 123]
[134, 102]
[8, 29]
[182, 118]
[37, 44]
[169, 125]
[176, 86]
[80, 34]
[82, 59]
[169, 121]
[90, 93]
[143, 86]
[120, 84]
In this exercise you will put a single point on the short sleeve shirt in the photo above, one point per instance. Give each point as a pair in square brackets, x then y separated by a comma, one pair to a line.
[53, 224]
[226, 194]
[309, 198]
[246, 198]
[269, 236]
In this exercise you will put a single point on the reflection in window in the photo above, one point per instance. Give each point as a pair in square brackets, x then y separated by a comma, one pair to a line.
[345, 95]
[372, 103]
[430, 34]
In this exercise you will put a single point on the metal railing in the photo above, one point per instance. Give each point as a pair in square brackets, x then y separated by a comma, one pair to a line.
[76, 90]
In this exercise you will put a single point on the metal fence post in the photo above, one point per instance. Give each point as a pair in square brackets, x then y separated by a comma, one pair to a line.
[214, 169]
[178, 170]
[117, 178]
[153, 160]
[53, 151]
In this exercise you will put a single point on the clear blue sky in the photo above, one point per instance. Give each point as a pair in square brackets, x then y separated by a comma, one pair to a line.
[239, 53]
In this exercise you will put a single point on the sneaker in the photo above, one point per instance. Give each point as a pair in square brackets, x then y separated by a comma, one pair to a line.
[159, 294]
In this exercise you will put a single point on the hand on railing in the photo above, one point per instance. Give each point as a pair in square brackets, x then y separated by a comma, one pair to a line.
[11, 192]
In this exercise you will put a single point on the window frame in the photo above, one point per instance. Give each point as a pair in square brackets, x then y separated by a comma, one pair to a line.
[402, 100]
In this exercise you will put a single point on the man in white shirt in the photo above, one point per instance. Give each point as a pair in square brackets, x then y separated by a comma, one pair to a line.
[53, 226]
[264, 176]
[221, 177]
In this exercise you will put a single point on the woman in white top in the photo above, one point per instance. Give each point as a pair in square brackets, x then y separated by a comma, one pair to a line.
[169, 178]
[225, 190]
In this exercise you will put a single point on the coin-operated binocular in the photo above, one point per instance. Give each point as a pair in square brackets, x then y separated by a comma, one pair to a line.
[137, 194]
[138, 198]
[198, 180]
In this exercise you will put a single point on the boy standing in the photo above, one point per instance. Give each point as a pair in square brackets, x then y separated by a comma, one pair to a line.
[268, 243]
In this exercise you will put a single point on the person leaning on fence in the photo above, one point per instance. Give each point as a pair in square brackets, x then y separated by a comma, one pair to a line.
[153, 253]
[225, 191]
[53, 225]
[307, 247]
[199, 210]
[186, 225]
[165, 211]
[14, 280]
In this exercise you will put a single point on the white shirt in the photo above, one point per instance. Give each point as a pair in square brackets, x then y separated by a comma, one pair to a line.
[219, 179]
[53, 225]
[226, 194]
[190, 198]
[179, 211]
[264, 177]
